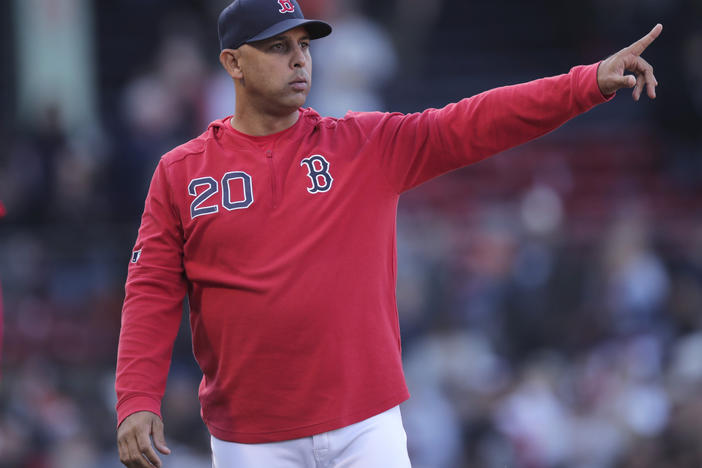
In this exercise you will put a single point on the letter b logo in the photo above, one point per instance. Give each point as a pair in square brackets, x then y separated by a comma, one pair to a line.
[286, 6]
[318, 172]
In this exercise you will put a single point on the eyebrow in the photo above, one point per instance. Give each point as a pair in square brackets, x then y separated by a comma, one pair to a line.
[282, 37]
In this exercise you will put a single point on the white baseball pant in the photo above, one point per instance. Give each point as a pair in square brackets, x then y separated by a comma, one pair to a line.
[377, 442]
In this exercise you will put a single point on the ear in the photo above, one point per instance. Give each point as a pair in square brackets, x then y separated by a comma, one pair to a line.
[230, 60]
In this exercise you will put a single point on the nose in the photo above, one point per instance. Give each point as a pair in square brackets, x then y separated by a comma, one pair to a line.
[299, 58]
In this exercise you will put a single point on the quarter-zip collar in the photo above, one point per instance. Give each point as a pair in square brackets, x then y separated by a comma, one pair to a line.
[224, 127]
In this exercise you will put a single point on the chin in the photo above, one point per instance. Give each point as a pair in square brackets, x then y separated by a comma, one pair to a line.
[298, 101]
[288, 104]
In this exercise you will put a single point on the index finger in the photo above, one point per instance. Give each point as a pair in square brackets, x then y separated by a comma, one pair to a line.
[147, 450]
[639, 46]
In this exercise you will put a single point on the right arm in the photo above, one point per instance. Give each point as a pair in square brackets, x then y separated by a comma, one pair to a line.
[151, 316]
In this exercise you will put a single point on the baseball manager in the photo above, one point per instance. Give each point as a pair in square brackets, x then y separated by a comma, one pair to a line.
[279, 226]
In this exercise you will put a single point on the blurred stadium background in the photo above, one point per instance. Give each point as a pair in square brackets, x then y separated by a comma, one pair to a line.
[550, 298]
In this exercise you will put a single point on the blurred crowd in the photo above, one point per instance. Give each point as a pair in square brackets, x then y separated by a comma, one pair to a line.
[550, 298]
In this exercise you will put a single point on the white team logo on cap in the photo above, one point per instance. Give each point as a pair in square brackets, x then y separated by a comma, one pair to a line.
[286, 6]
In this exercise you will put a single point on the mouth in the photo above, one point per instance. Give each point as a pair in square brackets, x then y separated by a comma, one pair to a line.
[299, 84]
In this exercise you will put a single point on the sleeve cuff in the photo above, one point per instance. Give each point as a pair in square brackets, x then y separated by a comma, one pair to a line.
[137, 403]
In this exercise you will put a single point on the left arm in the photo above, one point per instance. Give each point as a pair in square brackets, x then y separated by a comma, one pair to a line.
[414, 148]
[417, 147]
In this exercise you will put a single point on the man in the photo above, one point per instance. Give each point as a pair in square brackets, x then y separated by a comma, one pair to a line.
[279, 224]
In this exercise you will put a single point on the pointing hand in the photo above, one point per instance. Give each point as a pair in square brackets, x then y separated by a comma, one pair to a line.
[610, 74]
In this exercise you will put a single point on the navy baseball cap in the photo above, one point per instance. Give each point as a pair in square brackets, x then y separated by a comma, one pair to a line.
[254, 20]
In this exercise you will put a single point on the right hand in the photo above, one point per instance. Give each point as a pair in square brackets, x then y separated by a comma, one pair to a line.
[134, 437]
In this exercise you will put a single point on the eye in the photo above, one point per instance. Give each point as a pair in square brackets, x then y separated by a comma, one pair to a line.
[305, 44]
[277, 46]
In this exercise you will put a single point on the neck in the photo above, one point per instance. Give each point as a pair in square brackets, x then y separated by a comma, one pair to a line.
[255, 122]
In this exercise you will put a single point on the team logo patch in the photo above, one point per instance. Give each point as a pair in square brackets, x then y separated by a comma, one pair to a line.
[286, 6]
[135, 255]
[318, 172]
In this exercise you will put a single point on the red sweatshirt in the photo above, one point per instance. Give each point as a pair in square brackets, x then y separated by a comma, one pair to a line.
[285, 246]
